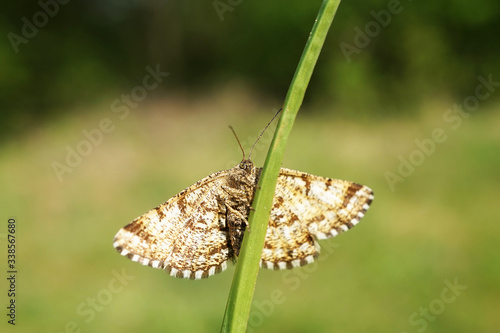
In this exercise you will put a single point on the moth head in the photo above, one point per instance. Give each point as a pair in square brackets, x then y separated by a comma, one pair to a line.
[246, 165]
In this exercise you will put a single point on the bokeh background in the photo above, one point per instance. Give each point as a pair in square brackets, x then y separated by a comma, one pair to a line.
[404, 99]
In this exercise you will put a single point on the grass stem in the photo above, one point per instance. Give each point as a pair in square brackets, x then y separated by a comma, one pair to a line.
[245, 276]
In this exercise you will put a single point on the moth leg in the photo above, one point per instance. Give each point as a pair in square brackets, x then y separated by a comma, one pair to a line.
[234, 192]
[241, 216]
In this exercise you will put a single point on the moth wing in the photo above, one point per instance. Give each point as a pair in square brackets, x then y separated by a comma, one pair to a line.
[306, 208]
[186, 236]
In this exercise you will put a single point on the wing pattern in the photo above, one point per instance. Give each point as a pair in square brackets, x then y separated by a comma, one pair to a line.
[186, 235]
[195, 233]
[306, 208]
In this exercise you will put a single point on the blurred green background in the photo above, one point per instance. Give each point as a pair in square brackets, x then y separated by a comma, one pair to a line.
[404, 99]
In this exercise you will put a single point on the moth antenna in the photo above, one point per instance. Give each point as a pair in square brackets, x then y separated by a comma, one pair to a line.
[251, 150]
[239, 143]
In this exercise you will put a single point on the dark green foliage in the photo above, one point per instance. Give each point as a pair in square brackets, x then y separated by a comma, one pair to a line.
[89, 50]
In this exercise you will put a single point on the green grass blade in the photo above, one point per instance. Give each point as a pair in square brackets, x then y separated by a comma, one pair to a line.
[245, 277]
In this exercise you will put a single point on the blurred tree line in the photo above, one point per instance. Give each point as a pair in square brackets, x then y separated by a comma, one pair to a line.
[380, 55]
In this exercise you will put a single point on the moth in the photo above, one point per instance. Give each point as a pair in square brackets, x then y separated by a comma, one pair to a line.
[195, 234]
